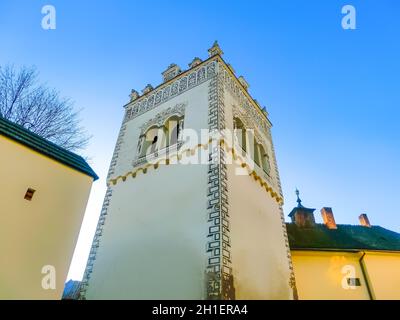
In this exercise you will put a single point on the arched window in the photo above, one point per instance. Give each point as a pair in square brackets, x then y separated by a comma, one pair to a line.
[154, 144]
[159, 137]
[174, 126]
[153, 140]
[257, 153]
[265, 164]
[240, 132]
[140, 145]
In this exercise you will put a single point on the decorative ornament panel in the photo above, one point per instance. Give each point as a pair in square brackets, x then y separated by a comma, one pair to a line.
[162, 116]
[180, 85]
[249, 109]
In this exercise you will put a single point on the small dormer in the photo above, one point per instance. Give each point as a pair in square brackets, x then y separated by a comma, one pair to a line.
[264, 110]
[243, 82]
[195, 62]
[215, 49]
[134, 95]
[303, 217]
[147, 89]
[172, 71]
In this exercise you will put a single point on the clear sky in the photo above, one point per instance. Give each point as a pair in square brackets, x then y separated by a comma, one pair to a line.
[333, 95]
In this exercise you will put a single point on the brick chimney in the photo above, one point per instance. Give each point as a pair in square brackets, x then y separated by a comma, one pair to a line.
[364, 221]
[329, 219]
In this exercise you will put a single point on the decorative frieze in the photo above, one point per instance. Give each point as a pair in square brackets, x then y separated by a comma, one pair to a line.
[95, 245]
[161, 117]
[292, 280]
[277, 178]
[163, 94]
[219, 277]
[249, 109]
[102, 218]
[248, 122]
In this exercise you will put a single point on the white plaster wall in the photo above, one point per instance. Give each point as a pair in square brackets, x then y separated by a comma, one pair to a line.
[153, 242]
[259, 259]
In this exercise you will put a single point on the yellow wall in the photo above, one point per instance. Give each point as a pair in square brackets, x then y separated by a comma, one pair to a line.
[319, 275]
[383, 272]
[40, 232]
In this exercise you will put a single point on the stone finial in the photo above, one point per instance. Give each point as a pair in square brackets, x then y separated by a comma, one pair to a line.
[195, 62]
[147, 88]
[215, 49]
[172, 71]
[244, 83]
[298, 198]
[134, 95]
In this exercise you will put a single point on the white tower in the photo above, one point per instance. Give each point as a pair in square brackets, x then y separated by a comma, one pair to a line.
[170, 230]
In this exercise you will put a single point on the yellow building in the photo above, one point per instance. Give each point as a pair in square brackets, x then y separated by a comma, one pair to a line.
[43, 194]
[343, 262]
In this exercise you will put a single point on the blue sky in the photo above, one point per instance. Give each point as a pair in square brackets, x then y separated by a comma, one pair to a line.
[333, 95]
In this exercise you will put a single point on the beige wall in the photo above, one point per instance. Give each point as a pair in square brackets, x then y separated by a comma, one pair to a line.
[40, 232]
[383, 272]
[319, 275]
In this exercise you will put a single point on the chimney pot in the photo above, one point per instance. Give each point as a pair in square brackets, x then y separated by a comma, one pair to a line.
[364, 221]
[329, 219]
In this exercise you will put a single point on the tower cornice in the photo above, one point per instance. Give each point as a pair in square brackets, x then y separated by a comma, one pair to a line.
[216, 58]
[170, 81]
[243, 89]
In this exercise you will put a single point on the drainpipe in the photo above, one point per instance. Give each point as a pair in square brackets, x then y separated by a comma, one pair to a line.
[364, 272]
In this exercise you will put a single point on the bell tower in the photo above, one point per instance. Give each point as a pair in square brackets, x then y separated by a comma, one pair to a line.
[193, 208]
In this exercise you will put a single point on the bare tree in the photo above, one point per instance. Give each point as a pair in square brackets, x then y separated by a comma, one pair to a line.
[39, 109]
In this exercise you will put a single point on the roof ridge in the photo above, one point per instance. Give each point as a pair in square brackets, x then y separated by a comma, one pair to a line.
[31, 133]
[48, 148]
[343, 238]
